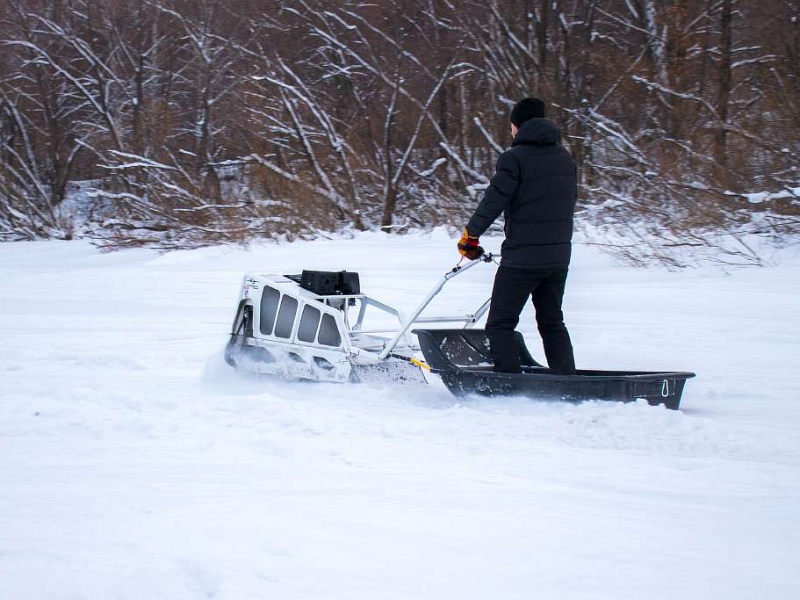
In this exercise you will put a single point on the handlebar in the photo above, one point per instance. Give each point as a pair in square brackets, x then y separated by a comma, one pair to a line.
[487, 257]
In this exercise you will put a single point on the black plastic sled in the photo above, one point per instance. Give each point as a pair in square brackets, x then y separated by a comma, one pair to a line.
[461, 358]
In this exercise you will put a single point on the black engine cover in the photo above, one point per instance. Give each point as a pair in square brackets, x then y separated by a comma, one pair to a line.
[328, 283]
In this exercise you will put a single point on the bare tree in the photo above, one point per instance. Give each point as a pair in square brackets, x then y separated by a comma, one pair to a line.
[199, 122]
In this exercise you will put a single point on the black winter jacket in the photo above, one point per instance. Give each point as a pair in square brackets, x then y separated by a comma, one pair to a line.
[535, 186]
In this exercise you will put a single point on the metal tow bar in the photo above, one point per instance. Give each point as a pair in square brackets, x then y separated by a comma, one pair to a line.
[457, 270]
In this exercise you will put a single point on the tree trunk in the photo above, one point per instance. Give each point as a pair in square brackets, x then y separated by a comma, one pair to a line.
[724, 92]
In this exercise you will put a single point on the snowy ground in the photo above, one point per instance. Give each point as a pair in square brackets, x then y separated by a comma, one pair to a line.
[134, 465]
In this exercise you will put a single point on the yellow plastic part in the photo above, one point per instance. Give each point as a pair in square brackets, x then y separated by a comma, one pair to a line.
[419, 363]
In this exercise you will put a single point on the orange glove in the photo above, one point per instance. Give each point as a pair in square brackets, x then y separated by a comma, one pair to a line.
[469, 247]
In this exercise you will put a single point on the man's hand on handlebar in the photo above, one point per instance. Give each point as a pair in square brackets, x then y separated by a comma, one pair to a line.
[469, 247]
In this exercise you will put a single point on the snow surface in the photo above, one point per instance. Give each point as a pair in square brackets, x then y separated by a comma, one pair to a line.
[134, 464]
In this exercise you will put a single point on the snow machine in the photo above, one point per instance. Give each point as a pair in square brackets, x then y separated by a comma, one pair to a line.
[311, 326]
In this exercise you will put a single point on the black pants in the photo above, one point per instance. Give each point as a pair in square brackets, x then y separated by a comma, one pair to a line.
[512, 287]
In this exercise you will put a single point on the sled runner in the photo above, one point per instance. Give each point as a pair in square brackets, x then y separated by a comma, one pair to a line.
[312, 326]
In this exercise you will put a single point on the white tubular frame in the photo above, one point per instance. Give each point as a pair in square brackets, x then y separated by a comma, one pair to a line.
[470, 320]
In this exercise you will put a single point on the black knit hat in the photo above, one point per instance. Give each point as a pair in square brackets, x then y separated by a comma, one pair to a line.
[527, 108]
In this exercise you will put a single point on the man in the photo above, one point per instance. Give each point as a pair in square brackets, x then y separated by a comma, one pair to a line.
[535, 187]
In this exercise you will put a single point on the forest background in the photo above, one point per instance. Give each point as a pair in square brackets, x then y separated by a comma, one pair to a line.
[181, 123]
